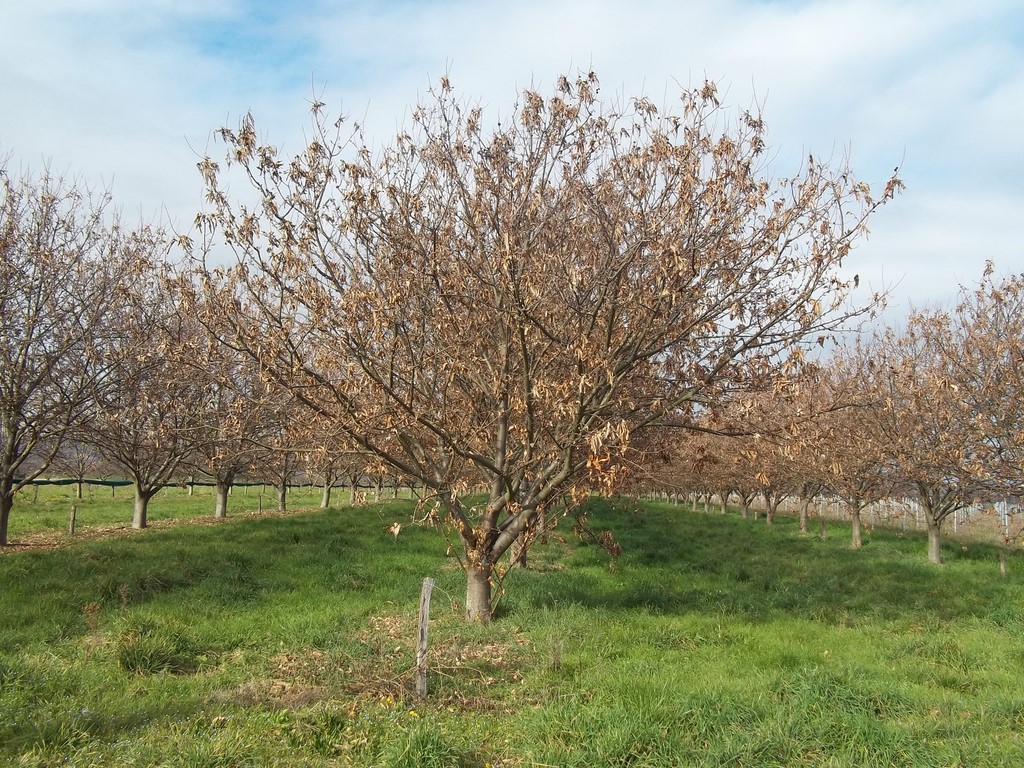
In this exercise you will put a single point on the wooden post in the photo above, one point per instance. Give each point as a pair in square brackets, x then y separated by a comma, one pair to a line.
[71, 520]
[1002, 563]
[261, 502]
[421, 646]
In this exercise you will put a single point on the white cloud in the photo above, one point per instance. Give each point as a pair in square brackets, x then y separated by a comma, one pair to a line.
[119, 90]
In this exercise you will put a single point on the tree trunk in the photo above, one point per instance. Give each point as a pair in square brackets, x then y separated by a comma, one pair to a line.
[220, 511]
[517, 552]
[823, 529]
[745, 500]
[282, 496]
[6, 503]
[520, 547]
[1002, 563]
[78, 490]
[934, 541]
[723, 501]
[856, 540]
[141, 510]
[325, 497]
[478, 589]
[805, 514]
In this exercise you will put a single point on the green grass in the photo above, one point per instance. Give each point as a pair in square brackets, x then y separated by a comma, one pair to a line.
[45, 511]
[289, 641]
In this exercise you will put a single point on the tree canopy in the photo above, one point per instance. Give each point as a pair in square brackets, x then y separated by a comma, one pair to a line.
[505, 303]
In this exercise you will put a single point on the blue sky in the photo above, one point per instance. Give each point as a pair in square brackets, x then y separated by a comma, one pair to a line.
[128, 93]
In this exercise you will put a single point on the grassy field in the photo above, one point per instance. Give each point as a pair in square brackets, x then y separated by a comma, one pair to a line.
[711, 641]
[41, 512]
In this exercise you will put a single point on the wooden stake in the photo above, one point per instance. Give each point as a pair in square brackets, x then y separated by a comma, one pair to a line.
[71, 521]
[421, 647]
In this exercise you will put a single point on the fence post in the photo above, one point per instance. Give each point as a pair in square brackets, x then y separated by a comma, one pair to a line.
[71, 520]
[421, 646]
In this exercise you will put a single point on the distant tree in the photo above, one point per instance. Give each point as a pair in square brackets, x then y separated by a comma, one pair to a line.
[774, 475]
[148, 409]
[851, 448]
[938, 432]
[714, 462]
[328, 458]
[78, 460]
[756, 444]
[811, 405]
[332, 458]
[58, 270]
[277, 455]
[986, 359]
[234, 415]
[505, 304]
[663, 464]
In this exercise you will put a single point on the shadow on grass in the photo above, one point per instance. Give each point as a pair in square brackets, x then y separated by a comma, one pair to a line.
[675, 561]
[235, 568]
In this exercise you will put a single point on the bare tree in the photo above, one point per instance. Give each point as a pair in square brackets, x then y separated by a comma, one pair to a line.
[327, 459]
[276, 458]
[850, 445]
[504, 306]
[938, 432]
[78, 460]
[237, 405]
[58, 267]
[331, 458]
[149, 406]
[986, 359]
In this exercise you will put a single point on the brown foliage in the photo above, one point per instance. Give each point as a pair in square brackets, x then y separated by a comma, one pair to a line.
[59, 266]
[505, 305]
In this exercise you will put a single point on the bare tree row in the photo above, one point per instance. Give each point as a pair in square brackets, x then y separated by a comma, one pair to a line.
[930, 410]
[104, 361]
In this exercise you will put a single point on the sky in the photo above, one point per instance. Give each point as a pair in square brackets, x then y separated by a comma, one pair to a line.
[127, 94]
